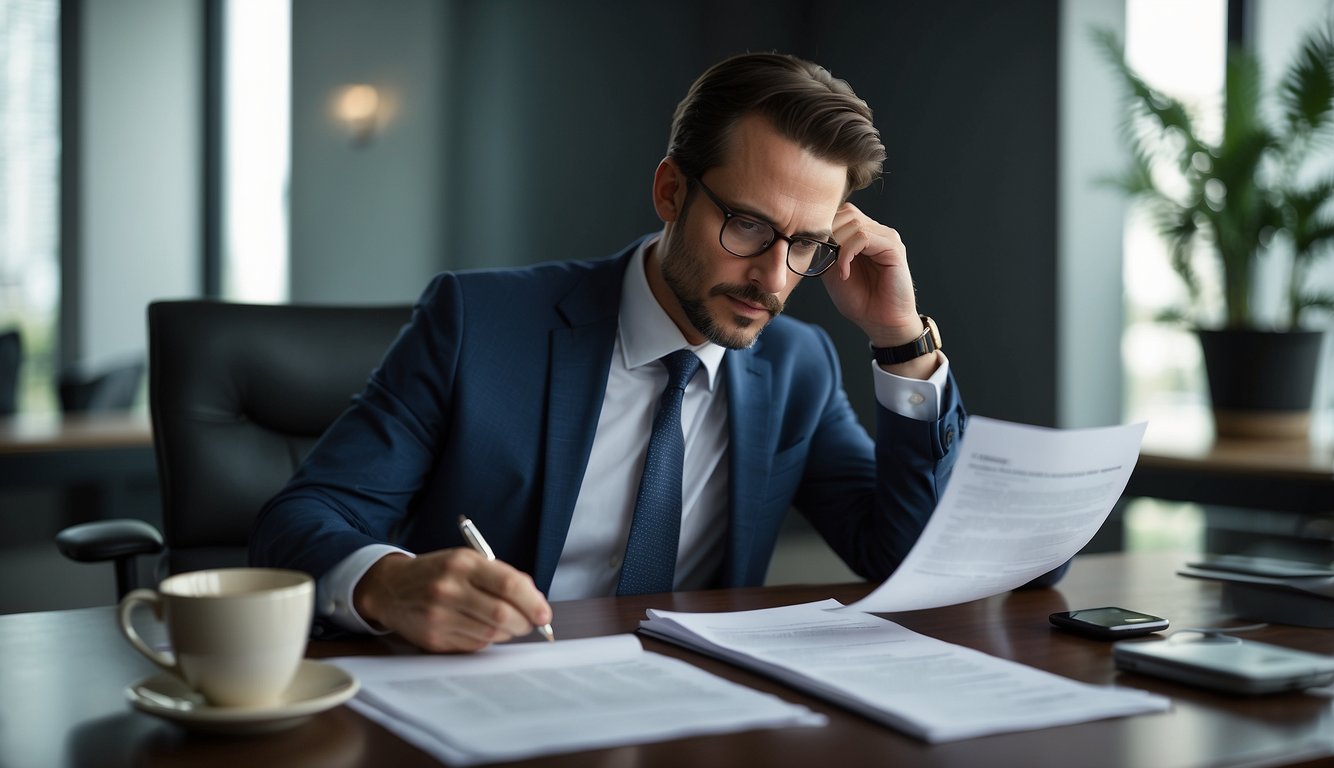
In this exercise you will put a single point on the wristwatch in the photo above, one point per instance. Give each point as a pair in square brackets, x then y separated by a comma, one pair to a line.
[925, 344]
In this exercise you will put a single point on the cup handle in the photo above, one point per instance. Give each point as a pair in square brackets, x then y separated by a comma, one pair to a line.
[127, 606]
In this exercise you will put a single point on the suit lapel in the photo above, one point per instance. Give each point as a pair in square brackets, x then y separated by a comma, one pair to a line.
[580, 357]
[748, 408]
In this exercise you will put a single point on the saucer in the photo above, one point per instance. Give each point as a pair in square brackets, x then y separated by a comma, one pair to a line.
[317, 687]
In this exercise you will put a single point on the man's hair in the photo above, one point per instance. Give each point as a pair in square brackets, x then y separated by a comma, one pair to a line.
[805, 103]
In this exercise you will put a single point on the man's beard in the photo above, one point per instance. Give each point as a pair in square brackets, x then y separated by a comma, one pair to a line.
[684, 274]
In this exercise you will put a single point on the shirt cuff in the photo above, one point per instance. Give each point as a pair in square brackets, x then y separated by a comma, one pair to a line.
[333, 591]
[913, 398]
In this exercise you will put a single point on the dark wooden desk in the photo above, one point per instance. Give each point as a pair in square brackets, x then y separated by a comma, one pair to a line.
[62, 675]
[105, 458]
[28, 434]
[1262, 497]
[1182, 460]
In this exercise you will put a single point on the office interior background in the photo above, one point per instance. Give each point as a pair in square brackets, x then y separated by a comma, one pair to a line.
[226, 148]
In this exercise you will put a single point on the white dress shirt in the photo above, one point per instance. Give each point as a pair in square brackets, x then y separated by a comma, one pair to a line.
[590, 563]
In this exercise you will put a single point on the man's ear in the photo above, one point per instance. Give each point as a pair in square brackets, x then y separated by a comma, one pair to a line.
[669, 190]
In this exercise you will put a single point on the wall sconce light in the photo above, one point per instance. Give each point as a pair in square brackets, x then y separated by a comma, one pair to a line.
[358, 108]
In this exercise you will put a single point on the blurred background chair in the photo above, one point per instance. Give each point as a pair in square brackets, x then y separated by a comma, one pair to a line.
[112, 389]
[11, 355]
[238, 394]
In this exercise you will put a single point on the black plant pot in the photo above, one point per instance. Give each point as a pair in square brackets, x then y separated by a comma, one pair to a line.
[1261, 383]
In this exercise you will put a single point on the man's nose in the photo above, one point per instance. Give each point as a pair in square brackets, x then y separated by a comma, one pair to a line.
[768, 270]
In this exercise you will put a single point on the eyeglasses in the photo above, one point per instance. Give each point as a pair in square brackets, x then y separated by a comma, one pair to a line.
[746, 237]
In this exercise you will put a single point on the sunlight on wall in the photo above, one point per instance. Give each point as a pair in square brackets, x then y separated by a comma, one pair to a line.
[257, 150]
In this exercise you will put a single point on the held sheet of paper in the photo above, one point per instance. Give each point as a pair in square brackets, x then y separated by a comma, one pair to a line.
[510, 702]
[1021, 501]
[924, 687]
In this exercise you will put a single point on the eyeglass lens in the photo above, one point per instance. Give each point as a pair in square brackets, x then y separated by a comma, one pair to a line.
[746, 237]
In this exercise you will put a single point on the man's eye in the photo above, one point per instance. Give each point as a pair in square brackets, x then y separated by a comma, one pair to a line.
[748, 227]
[805, 247]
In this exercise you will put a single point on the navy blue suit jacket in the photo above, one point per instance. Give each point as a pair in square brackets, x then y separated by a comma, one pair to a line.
[487, 403]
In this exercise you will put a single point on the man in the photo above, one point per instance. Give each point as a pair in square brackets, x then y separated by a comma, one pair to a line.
[525, 399]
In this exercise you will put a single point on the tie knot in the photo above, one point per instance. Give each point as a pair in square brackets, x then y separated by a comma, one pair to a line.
[681, 366]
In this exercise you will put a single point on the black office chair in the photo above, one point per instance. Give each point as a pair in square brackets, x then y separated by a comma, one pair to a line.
[239, 394]
[11, 358]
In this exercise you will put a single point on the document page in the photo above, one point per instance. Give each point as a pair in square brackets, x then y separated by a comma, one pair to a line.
[1021, 501]
[523, 700]
[927, 688]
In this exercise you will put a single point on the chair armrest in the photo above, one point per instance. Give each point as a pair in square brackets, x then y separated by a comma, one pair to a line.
[108, 540]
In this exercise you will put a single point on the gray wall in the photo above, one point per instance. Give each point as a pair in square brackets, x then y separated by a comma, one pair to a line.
[134, 235]
[968, 114]
[552, 117]
[1090, 222]
[368, 222]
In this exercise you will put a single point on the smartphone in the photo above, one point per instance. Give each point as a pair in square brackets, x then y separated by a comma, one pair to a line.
[1108, 623]
[1226, 664]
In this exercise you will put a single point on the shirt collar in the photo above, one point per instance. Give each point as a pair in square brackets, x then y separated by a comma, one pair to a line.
[646, 332]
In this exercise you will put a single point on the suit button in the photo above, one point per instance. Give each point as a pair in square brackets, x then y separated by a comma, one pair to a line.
[949, 436]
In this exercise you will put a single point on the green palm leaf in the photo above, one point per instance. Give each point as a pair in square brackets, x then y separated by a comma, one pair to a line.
[1235, 195]
[1306, 94]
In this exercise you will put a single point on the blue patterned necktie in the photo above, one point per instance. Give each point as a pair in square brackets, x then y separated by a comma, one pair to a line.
[650, 553]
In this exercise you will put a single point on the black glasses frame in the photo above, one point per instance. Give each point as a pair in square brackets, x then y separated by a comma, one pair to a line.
[729, 214]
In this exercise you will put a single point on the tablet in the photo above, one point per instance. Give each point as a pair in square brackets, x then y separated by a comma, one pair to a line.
[1269, 567]
[1226, 664]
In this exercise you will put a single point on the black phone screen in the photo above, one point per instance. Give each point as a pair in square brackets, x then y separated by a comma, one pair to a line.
[1108, 623]
[1113, 617]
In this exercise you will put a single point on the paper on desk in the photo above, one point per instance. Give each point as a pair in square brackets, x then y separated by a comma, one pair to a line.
[924, 687]
[1021, 501]
[511, 702]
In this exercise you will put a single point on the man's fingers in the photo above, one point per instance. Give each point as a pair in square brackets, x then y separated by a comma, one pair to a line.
[453, 600]
[457, 632]
[860, 236]
[514, 590]
[489, 592]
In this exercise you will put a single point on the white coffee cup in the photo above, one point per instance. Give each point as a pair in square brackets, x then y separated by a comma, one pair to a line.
[237, 634]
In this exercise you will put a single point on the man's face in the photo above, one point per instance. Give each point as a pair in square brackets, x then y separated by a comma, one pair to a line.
[725, 298]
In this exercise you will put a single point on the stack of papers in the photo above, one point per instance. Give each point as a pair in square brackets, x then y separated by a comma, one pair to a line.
[927, 688]
[516, 701]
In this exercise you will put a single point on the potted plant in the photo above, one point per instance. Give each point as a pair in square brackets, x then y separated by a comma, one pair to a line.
[1240, 197]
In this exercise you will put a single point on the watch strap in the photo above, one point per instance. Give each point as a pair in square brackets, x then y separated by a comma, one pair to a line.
[925, 344]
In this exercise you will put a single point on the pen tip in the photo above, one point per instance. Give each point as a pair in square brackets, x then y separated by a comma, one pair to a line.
[545, 629]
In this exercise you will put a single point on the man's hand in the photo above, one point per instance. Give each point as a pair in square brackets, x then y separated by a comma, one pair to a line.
[450, 600]
[870, 285]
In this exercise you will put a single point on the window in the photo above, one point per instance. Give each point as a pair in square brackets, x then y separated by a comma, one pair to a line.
[1179, 48]
[30, 190]
[256, 157]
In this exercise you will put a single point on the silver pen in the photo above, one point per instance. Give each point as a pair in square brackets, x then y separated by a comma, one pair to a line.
[478, 543]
